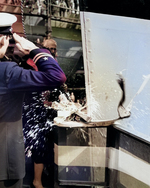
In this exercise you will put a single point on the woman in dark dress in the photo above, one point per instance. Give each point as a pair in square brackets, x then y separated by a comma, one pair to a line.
[38, 124]
[38, 133]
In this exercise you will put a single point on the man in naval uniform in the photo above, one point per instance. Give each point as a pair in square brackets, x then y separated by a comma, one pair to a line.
[14, 83]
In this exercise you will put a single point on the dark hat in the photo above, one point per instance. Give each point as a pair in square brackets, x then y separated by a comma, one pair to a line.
[6, 21]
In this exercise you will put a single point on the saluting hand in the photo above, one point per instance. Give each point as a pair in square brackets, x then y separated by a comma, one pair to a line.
[23, 44]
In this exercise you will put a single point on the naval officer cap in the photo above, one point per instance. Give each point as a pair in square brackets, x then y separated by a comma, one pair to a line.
[6, 21]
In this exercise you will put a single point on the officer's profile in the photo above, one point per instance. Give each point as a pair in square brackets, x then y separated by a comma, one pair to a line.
[6, 22]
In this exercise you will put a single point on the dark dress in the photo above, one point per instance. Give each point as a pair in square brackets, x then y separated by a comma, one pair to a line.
[38, 128]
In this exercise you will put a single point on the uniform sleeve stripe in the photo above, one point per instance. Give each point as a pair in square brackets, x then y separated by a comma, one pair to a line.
[39, 58]
[39, 55]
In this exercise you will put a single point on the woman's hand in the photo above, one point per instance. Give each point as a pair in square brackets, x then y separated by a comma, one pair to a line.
[4, 42]
[23, 44]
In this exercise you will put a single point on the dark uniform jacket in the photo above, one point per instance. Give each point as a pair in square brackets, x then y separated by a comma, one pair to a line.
[14, 82]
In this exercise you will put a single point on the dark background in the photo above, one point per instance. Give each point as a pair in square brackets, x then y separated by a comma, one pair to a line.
[129, 8]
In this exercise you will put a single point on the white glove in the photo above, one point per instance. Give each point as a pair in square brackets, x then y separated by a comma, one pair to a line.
[23, 44]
